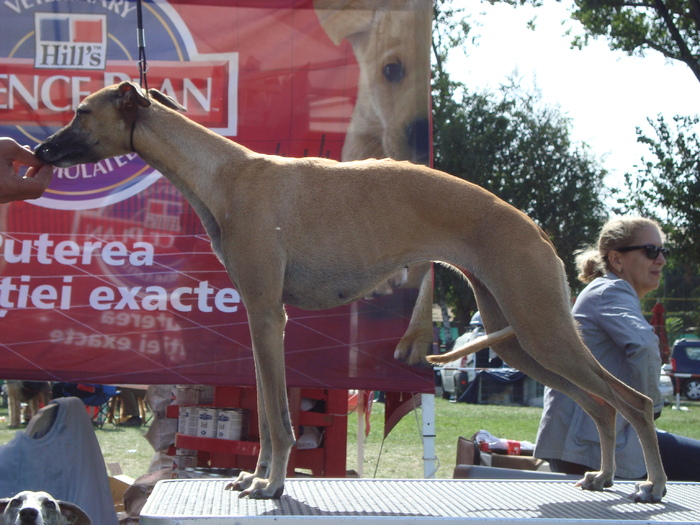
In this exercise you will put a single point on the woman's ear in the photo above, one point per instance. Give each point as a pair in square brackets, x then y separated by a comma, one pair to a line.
[615, 261]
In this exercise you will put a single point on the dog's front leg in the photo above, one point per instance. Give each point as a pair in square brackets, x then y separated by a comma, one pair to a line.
[418, 339]
[277, 438]
[245, 479]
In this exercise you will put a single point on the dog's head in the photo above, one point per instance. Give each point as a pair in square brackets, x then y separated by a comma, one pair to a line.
[102, 126]
[40, 508]
[391, 42]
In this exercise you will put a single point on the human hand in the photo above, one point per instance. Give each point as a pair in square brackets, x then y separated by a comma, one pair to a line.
[14, 186]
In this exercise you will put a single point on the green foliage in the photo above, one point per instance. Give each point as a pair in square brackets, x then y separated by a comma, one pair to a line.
[515, 146]
[667, 187]
[670, 27]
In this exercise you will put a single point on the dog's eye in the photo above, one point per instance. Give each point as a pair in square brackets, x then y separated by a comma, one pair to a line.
[50, 504]
[16, 503]
[394, 72]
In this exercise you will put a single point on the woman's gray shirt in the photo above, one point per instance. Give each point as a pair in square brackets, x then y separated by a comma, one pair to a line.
[610, 318]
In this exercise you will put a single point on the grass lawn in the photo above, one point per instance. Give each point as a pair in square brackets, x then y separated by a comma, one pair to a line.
[402, 452]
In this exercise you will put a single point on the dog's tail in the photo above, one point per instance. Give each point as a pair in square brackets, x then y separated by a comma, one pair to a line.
[473, 346]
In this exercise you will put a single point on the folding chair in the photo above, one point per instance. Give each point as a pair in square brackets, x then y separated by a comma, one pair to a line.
[94, 397]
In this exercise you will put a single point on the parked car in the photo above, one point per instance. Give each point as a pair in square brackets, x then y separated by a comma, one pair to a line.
[666, 387]
[685, 368]
[457, 375]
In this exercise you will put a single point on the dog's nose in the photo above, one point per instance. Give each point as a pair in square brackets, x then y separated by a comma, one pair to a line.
[28, 515]
[41, 152]
[419, 140]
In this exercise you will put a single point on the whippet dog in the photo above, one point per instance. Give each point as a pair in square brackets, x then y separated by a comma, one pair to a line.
[315, 233]
[40, 508]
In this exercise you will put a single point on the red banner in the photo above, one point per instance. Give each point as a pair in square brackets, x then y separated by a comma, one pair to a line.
[109, 278]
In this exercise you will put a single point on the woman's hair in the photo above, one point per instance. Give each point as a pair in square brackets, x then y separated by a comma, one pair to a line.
[592, 262]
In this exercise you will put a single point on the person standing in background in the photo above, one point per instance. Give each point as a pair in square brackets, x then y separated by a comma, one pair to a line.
[624, 267]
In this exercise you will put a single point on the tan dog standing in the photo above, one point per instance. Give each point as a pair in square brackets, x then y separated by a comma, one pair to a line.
[315, 233]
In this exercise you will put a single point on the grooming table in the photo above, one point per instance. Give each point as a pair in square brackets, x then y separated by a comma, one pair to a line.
[349, 501]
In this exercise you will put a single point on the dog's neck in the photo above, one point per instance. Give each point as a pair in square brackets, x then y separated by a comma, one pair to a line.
[191, 158]
[194, 159]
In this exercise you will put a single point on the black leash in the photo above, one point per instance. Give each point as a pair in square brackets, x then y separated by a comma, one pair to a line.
[143, 65]
[141, 42]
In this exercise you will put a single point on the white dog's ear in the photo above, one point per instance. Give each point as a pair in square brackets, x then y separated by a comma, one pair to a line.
[74, 514]
[130, 95]
[3, 503]
[342, 18]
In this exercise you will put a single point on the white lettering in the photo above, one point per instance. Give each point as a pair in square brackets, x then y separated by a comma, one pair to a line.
[67, 252]
[225, 300]
[203, 99]
[46, 251]
[101, 298]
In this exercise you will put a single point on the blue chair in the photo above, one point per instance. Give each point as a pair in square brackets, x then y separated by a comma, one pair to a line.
[95, 398]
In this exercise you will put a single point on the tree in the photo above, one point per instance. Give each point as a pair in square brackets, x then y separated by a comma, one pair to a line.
[517, 147]
[667, 187]
[670, 27]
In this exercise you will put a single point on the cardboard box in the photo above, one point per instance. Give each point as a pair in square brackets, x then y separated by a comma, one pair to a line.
[118, 483]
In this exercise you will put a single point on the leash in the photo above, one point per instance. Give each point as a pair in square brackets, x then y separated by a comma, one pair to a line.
[141, 42]
[142, 63]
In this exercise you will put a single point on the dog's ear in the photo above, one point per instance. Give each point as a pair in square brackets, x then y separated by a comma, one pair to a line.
[166, 100]
[74, 514]
[4, 502]
[342, 18]
[130, 95]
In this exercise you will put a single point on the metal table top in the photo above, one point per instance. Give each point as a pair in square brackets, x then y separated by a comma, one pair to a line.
[205, 502]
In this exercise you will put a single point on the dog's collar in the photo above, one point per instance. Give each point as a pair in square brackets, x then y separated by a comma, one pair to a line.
[131, 136]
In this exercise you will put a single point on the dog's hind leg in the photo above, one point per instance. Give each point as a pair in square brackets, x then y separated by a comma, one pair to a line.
[577, 374]
[638, 410]
[602, 413]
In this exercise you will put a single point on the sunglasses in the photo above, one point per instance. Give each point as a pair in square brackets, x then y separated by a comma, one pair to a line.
[650, 250]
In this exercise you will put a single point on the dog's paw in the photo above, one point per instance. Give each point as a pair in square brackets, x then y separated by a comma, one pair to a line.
[261, 488]
[254, 488]
[645, 493]
[595, 481]
[242, 482]
[413, 347]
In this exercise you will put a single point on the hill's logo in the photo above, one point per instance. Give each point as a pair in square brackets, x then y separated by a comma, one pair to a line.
[52, 55]
[70, 41]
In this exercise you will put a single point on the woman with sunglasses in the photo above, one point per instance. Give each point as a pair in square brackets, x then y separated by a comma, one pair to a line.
[624, 267]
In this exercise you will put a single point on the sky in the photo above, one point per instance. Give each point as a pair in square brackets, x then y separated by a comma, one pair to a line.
[605, 93]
